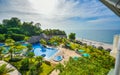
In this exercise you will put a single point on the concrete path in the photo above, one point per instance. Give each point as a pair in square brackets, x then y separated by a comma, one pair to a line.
[15, 72]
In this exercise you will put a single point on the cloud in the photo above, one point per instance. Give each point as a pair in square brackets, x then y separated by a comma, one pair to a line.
[64, 9]
[105, 20]
[53, 13]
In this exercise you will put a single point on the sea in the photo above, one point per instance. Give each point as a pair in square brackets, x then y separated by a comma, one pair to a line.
[105, 36]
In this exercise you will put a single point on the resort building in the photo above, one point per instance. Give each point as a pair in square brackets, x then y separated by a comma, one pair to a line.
[35, 39]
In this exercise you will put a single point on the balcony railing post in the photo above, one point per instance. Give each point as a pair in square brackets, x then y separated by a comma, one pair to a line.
[117, 63]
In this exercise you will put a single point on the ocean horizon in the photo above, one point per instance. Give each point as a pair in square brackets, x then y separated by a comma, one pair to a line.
[105, 36]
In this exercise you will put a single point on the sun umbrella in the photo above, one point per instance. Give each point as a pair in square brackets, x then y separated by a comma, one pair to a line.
[86, 55]
[80, 50]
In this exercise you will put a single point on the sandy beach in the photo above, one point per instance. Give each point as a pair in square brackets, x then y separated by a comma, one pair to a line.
[96, 43]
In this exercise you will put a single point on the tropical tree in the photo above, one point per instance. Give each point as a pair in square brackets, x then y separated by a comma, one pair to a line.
[9, 42]
[72, 36]
[32, 70]
[43, 42]
[2, 38]
[24, 65]
[11, 53]
[30, 55]
[13, 22]
[1, 49]
[26, 38]
[40, 60]
[4, 70]
[60, 67]
[29, 46]
[18, 47]
[56, 40]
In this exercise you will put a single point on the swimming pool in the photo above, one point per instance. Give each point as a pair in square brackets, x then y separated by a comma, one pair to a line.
[39, 50]
[1, 44]
[58, 58]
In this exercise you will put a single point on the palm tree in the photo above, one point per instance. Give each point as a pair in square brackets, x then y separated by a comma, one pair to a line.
[43, 42]
[32, 70]
[24, 66]
[60, 67]
[9, 42]
[1, 49]
[11, 53]
[30, 55]
[40, 60]
[4, 70]
[29, 46]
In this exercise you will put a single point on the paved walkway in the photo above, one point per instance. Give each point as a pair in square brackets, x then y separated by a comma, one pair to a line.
[15, 72]
[55, 72]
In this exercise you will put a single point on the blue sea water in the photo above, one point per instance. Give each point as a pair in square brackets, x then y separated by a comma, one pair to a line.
[105, 36]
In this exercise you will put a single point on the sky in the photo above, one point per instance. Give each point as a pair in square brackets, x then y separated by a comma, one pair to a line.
[61, 14]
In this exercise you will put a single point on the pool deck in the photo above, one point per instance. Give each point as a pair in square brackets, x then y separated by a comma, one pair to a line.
[66, 53]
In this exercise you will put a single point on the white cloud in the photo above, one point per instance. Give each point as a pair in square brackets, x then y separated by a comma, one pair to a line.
[104, 20]
[64, 9]
[53, 13]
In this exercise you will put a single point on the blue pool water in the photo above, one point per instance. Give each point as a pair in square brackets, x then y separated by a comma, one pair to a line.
[58, 58]
[24, 44]
[1, 44]
[39, 50]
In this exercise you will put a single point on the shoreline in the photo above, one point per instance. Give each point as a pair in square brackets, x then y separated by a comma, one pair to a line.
[95, 43]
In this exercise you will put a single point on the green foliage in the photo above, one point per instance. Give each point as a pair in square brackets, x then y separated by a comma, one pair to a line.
[99, 63]
[15, 30]
[72, 36]
[46, 69]
[55, 40]
[14, 59]
[2, 37]
[4, 70]
[30, 29]
[47, 62]
[13, 22]
[9, 42]
[32, 70]
[83, 66]
[15, 26]
[54, 32]
[26, 38]
[18, 37]
[42, 41]
[11, 53]
[60, 67]
[74, 46]
[29, 46]
[25, 65]
[30, 54]
[1, 49]
[3, 30]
